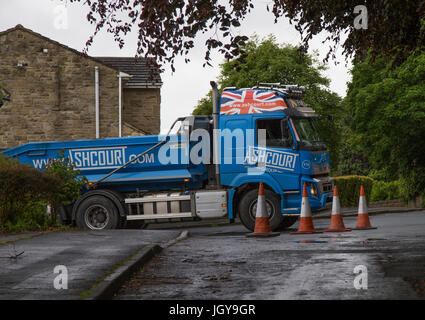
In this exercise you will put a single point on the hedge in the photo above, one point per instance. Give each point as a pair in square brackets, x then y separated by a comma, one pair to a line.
[20, 185]
[382, 190]
[25, 192]
[349, 189]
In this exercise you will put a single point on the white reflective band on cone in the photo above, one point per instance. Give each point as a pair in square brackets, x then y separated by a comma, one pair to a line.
[336, 207]
[261, 208]
[362, 205]
[305, 208]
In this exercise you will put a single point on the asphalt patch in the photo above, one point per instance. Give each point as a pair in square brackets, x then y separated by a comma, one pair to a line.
[408, 267]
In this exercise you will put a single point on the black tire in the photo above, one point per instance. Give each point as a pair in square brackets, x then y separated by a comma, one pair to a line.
[97, 213]
[287, 222]
[247, 205]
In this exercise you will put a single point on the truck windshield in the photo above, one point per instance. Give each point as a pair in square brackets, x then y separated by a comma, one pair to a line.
[308, 134]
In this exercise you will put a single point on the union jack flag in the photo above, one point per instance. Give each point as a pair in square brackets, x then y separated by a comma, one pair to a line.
[250, 101]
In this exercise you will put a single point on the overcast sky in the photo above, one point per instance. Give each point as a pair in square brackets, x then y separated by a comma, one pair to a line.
[190, 82]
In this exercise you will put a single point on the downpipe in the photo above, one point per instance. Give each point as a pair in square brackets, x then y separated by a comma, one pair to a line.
[96, 98]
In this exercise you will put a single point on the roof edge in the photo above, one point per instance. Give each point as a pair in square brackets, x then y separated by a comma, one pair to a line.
[22, 28]
[94, 59]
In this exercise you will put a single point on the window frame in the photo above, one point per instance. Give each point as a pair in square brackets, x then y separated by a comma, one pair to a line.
[282, 122]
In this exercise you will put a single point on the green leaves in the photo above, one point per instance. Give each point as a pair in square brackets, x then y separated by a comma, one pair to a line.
[382, 190]
[25, 191]
[388, 115]
[349, 189]
[21, 185]
[71, 181]
[267, 61]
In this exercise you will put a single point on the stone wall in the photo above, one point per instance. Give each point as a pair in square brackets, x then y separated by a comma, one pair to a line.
[141, 109]
[53, 95]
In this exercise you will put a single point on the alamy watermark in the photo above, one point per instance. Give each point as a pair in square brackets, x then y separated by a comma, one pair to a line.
[360, 281]
[234, 147]
[361, 20]
[60, 20]
[60, 282]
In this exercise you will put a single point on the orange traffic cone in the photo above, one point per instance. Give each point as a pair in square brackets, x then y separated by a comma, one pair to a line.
[262, 224]
[306, 221]
[337, 225]
[363, 222]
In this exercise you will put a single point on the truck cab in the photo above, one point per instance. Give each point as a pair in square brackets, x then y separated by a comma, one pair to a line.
[282, 149]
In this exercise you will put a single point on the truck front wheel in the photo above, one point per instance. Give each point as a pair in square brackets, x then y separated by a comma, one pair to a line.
[248, 208]
[97, 213]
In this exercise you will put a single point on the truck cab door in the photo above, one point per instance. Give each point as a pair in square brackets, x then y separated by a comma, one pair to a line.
[276, 151]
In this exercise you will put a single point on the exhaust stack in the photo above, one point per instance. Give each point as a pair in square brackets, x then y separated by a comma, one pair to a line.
[216, 157]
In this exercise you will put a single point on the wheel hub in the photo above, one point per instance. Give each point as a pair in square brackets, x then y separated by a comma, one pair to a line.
[101, 217]
[96, 217]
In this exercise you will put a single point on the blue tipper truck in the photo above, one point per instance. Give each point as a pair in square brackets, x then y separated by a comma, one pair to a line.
[204, 167]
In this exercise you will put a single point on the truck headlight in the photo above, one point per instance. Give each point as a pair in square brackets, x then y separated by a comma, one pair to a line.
[314, 192]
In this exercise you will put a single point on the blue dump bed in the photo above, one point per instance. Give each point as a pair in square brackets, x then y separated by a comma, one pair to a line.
[162, 168]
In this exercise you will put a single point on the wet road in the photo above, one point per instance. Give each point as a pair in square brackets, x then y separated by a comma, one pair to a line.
[221, 263]
[84, 256]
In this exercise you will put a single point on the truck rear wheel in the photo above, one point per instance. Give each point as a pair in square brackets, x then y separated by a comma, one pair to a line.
[97, 213]
[248, 208]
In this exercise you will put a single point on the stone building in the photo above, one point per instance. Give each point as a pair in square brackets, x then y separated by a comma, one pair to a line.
[55, 95]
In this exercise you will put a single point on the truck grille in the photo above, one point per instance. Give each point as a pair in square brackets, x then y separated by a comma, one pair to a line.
[325, 184]
[327, 187]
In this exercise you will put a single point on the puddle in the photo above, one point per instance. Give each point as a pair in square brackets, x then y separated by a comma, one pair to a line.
[311, 241]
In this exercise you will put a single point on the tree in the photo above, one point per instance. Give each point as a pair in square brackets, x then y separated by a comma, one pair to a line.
[72, 182]
[167, 28]
[204, 105]
[267, 61]
[387, 110]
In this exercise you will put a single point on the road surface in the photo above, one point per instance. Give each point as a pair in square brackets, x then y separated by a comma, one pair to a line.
[31, 264]
[221, 263]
